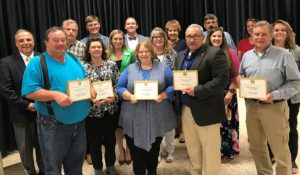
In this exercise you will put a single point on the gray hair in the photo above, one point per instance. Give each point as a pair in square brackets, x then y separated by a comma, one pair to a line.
[210, 16]
[264, 23]
[160, 31]
[195, 26]
[69, 21]
[22, 30]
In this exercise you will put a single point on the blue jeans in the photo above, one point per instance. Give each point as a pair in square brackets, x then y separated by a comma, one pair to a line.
[61, 144]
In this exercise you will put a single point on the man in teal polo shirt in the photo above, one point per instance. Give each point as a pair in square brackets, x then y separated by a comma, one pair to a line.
[61, 136]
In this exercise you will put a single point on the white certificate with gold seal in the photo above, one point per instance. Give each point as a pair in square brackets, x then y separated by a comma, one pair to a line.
[79, 90]
[254, 88]
[183, 79]
[104, 89]
[146, 90]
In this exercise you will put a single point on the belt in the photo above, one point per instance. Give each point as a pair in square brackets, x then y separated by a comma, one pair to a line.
[264, 103]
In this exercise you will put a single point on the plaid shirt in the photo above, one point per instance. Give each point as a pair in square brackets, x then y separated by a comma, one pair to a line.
[77, 48]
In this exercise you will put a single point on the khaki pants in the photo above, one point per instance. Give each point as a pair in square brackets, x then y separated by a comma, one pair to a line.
[269, 122]
[203, 145]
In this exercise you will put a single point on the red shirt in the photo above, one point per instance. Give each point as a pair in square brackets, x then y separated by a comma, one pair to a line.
[244, 46]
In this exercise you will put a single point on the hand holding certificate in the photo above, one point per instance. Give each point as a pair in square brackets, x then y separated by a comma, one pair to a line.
[79, 90]
[254, 88]
[183, 79]
[146, 90]
[104, 89]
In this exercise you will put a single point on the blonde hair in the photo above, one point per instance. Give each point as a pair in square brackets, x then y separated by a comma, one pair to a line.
[111, 49]
[173, 23]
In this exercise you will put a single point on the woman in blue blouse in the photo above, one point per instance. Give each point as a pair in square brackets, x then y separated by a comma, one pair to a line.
[102, 120]
[144, 122]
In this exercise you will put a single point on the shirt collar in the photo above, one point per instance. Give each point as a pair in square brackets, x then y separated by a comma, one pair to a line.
[71, 44]
[267, 51]
[24, 56]
[196, 52]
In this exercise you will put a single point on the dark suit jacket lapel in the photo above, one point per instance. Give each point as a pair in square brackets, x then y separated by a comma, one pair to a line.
[199, 58]
[20, 62]
[179, 61]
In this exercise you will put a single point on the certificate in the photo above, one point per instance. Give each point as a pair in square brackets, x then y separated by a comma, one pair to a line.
[254, 88]
[79, 90]
[146, 90]
[185, 78]
[104, 89]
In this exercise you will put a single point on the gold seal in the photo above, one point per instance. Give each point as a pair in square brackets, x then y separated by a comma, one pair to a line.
[146, 83]
[252, 81]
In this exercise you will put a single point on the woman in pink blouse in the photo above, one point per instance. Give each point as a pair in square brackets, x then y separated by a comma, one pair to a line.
[230, 127]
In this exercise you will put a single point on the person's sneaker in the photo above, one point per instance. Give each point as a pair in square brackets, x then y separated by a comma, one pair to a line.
[99, 172]
[170, 158]
[111, 170]
[294, 168]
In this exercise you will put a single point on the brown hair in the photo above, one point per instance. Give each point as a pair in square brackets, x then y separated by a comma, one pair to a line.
[223, 46]
[91, 18]
[87, 57]
[130, 17]
[245, 26]
[148, 45]
[290, 42]
[52, 30]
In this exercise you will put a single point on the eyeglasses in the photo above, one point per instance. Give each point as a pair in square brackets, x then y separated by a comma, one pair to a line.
[194, 37]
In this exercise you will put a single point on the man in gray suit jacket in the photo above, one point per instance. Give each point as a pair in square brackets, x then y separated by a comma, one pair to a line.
[203, 105]
[132, 38]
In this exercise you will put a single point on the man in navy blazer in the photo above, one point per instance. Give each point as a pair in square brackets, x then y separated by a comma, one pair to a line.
[203, 107]
[21, 110]
[132, 38]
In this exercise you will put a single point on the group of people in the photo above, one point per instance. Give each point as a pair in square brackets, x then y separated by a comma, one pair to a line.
[206, 115]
